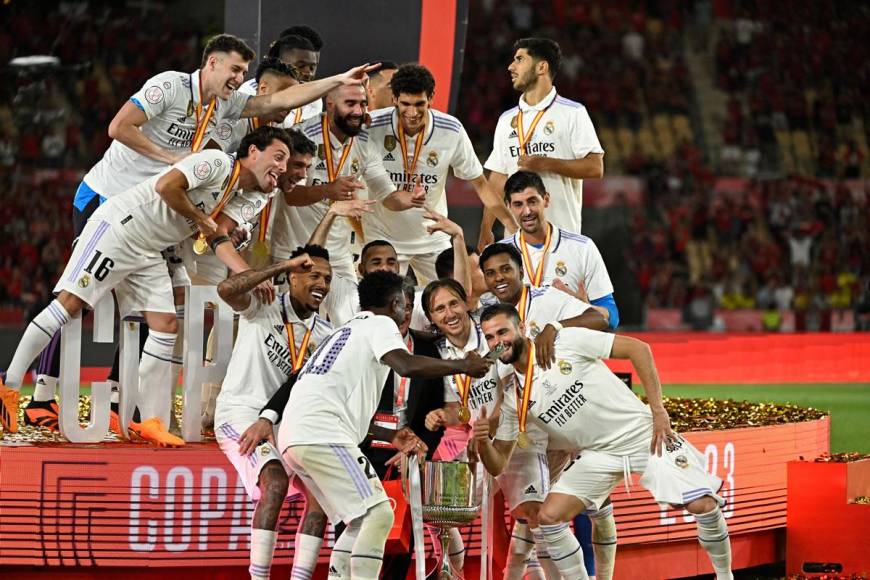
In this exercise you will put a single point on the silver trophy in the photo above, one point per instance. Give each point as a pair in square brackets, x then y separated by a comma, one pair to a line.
[451, 498]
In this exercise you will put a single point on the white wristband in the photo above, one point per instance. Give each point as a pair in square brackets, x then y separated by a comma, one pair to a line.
[556, 325]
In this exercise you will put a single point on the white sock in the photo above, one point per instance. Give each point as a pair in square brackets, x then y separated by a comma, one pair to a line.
[45, 388]
[155, 376]
[115, 397]
[564, 550]
[36, 337]
[534, 570]
[339, 559]
[305, 552]
[456, 550]
[713, 535]
[545, 561]
[521, 546]
[604, 542]
[262, 550]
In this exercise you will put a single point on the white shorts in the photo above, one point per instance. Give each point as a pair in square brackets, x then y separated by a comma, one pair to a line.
[175, 262]
[340, 477]
[103, 260]
[677, 477]
[423, 265]
[525, 478]
[229, 427]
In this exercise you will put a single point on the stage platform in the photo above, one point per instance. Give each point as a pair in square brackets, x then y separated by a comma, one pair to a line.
[112, 509]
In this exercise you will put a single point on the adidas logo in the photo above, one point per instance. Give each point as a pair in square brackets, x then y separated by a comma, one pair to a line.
[215, 194]
[513, 135]
[279, 328]
[333, 571]
[530, 489]
[389, 157]
[40, 381]
[321, 166]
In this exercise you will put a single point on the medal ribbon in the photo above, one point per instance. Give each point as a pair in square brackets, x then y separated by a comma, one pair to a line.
[403, 381]
[536, 275]
[526, 395]
[332, 172]
[264, 221]
[297, 118]
[201, 123]
[524, 137]
[298, 357]
[231, 183]
[524, 304]
[418, 146]
[463, 385]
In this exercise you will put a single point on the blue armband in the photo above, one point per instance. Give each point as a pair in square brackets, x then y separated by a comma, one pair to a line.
[610, 304]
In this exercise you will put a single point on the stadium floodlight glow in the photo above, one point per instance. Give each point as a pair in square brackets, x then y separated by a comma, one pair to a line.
[35, 61]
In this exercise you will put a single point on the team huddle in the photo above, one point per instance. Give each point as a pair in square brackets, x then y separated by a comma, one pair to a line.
[308, 203]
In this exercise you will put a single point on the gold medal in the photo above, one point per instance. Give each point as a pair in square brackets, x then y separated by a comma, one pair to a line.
[523, 440]
[464, 414]
[200, 246]
[260, 250]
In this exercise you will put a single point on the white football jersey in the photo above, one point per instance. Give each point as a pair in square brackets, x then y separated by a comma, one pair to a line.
[564, 131]
[543, 306]
[445, 145]
[339, 388]
[579, 402]
[149, 223]
[300, 222]
[169, 101]
[342, 302]
[572, 258]
[261, 355]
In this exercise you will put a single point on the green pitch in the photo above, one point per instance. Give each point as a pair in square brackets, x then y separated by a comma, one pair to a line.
[848, 404]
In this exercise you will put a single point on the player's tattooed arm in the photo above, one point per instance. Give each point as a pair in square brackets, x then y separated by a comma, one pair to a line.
[236, 290]
[125, 128]
[640, 354]
[300, 95]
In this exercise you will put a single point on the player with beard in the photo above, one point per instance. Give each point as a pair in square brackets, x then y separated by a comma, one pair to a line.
[584, 408]
[420, 146]
[378, 87]
[555, 256]
[340, 386]
[343, 160]
[274, 340]
[168, 118]
[206, 194]
[547, 134]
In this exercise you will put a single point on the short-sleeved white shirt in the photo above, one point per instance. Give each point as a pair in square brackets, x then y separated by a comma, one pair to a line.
[545, 305]
[579, 402]
[149, 223]
[445, 145]
[484, 391]
[300, 222]
[565, 131]
[339, 388]
[261, 355]
[168, 100]
[572, 258]
[342, 302]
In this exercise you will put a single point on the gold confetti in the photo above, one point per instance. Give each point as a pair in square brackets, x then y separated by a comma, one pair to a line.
[841, 457]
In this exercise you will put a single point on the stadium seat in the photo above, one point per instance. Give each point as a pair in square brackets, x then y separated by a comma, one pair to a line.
[682, 128]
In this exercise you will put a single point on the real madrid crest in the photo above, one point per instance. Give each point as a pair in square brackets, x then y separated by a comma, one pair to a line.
[561, 268]
[389, 142]
[682, 461]
[320, 152]
[432, 159]
[533, 329]
[514, 122]
[354, 166]
[84, 281]
[190, 108]
[549, 127]
[565, 367]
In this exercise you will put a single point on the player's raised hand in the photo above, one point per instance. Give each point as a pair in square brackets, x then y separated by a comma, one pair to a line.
[300, 264]
[436, 419]
[343, 188]
[475, 365]
[579, 293]
[206, 225]
[486, 238]
[662, 433]
[480, 427]
[545, 353]
[353, 208]
[358, 74]
[441, 223]
[255, 434]
[265, 292]
[408, 443]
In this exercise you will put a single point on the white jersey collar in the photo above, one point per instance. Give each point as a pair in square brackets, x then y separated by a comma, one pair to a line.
[545, 102]
[475, 337]
[430, 124]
